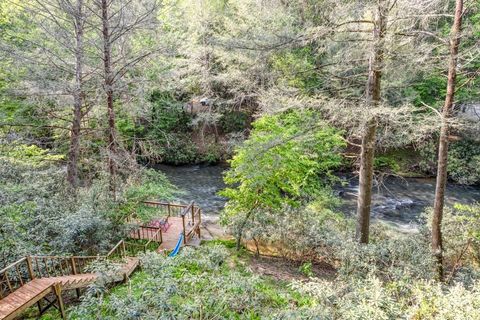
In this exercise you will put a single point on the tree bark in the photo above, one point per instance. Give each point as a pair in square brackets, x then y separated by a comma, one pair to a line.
[74, 149]
[241, 228]
[373, 92]
[108, 83]
[437, 246]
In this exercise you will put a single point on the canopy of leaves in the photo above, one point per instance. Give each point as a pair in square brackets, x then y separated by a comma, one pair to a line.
[287, 158]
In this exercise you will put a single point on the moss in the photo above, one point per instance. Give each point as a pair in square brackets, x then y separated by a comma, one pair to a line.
[402, 162]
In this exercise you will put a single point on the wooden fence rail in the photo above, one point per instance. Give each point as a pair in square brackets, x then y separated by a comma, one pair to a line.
[28, 268]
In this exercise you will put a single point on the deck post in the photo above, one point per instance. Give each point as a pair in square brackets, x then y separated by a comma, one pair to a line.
[58, 293]
[199, 222]
[123, 250]
[168, 206]
[74, 267]
[30, 268]
[193, 214]
[184, 234]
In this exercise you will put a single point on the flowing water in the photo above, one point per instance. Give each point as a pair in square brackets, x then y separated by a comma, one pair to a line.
[398, 202]
[200, 183]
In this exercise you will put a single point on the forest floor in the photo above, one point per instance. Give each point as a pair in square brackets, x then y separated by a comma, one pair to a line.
[277, 267]
[284, 269]
[274, 274]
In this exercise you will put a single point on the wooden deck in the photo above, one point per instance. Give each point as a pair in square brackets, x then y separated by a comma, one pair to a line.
[170, 237]
[26, 296]
[37, 289]
[33, 278]
[182, 219]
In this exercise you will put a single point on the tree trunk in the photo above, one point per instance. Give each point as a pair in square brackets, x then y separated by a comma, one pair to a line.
[373, 91]
[438, 205]
[364, 200]
[241, 228]
[108, 83]
[74, 149]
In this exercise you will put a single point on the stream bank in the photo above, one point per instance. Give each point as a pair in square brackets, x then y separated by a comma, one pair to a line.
[396, 201]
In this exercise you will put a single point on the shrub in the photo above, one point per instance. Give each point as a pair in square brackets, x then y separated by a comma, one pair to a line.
[234, 121]
[392, 257]
[463, 160]
[203, 283]
[461, 240]
[371, 298]
[286, 161]
[386, 163]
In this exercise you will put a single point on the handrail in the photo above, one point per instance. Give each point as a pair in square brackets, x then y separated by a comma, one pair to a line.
[159, 203]
[155, 238]
[64, 257]
[196, 212]
[121, 242]
[188, 208]
[27, 268]
[13, 264]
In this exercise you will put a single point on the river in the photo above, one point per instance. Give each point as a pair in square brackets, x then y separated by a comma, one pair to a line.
[398, 202]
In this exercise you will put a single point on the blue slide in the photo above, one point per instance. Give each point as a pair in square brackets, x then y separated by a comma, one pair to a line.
[177, 247]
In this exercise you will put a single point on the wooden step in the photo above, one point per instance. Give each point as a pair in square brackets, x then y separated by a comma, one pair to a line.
[24, 297]
[31, 292]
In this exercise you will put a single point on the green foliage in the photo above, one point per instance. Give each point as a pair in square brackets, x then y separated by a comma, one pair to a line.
[234, 121]
[287, 158]
[179, 149]
[152, 185]
[463, 160]
[385, 162]
[43, 217]
[30, 155]
[461, 243]
[306, 269]
[167, 114]
[205, 283]
[211, 282]
[430, 90]
[371, 298]
[390, 257]
[286, 161]
[298, 69]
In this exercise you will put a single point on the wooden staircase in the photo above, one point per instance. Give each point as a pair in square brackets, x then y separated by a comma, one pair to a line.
[33, 279]
[37, 289]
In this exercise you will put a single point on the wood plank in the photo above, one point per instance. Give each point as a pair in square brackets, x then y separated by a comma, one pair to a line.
[24, 297]
[170, 237]
[33, 291]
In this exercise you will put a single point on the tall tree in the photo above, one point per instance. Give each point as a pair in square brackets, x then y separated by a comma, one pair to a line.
[53, 53]
[77, 11]
[441, 182]
[108, 87]
[120, 23]
[373, 96]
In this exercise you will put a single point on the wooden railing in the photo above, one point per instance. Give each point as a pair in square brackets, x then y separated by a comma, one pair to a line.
[191, 216]
[30, 267]
[193, 225]
[15, 275]
[166, 209]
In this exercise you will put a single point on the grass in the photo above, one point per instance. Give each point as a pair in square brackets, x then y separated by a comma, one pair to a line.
[211, 281]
